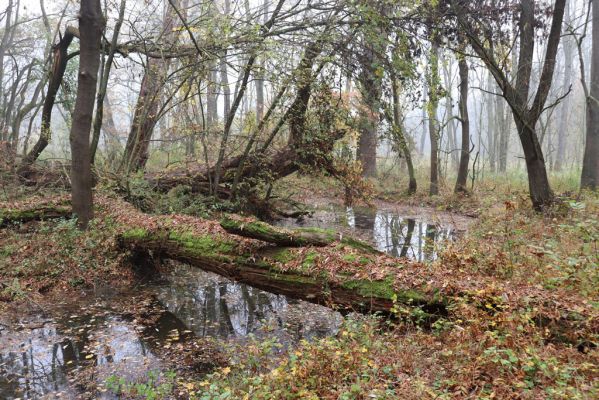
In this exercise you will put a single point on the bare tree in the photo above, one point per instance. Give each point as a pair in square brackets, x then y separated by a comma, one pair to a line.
[525, 116]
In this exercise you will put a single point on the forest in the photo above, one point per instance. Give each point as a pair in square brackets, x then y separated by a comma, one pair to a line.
[299, 199]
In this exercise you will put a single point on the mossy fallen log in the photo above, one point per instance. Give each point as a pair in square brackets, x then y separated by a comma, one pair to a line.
[43, 212]
[267, 268]
[299, 237]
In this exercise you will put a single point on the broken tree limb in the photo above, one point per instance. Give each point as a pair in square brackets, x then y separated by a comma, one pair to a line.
[300, 237]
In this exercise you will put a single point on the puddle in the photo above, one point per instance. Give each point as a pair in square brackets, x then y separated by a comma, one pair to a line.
[398, 235]
[96, 337]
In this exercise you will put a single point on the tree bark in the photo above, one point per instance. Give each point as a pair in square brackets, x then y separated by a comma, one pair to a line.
[562, 130]
[146, 111]
[91, 24]
[261, 269]
[371, 91]
[300, 237]
[590, 165]
[462, 179]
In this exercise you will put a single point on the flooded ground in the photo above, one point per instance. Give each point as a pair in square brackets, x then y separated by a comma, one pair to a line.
[399, 232]
[74, 348]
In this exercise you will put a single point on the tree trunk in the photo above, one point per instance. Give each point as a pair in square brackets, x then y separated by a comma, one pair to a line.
[262, 269]
[146, 111]
[59, 65]
[370, 90]
[538, 183]
[91, 23]
[300, 237]
[400, 137]
[433, 124]
[517, 96]
[491, 126]
[590, 165]
[461, 182]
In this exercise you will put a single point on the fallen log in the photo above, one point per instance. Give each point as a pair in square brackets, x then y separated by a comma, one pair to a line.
[43, 212]
[291, 272]
[299, 237]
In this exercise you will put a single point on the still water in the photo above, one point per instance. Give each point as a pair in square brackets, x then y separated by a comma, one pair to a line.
[418, 239]
[51, 352]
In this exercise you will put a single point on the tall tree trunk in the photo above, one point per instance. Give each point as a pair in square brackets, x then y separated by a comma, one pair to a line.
[146, 111]
[91, 25]
[451, 143]
[492, 129]
[590, 164]
[462, 179]
[371, 91]
[260, 75]
[424, 120]
[5, 44]
[538, 183]
[433, 124]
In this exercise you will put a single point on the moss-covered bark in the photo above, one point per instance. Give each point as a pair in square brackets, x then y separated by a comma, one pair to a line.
[13, 216]
[268, 269]
[291, 237]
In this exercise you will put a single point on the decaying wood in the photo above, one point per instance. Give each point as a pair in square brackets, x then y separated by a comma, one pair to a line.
[265, 268]
[300, 237]
[42, 212]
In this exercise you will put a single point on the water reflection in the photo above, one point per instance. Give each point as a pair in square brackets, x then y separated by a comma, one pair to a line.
[96, 338]
[212, 306]
[41, 360]
[414, 238]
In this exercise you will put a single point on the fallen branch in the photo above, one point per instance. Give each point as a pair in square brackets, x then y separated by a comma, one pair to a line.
[300, 237]
[43, 212]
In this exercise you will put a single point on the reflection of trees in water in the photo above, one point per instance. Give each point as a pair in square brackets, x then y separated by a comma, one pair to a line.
[29, 368]
[216, 307]
[407, 244]
[396, 235]
[43, 361]
[429, 242]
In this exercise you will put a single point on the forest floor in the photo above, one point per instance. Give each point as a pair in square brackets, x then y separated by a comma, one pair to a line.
[488, 352]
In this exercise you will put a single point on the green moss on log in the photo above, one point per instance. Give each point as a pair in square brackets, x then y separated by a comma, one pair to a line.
[135, 233]
[13, 216]
[203, 244]
[270, 269]
[299, 237]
